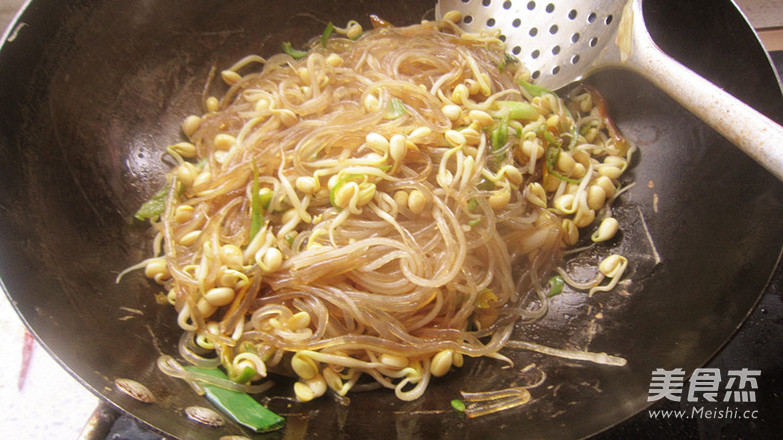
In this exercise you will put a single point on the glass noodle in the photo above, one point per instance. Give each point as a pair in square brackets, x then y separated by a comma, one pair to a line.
[377, 208]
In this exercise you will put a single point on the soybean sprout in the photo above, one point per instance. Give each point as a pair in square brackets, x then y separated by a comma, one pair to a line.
[379, 207]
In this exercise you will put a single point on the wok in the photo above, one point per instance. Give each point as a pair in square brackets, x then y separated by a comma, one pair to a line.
[92, 91]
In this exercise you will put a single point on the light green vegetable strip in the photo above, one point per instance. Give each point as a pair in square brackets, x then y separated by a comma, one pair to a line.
[507, 59]
[538, 91]
[154, 206]
[239, 406]
[535, 90]
[516, 109]
[327, 32]
[556, 284]
[395, 109]
[458, 405]
[294, 53]
[245, 375]
[256, 207]
[499, 135]
[485, 185]
[551, 155]
[550, 138]
[289, 237]
[266, 199]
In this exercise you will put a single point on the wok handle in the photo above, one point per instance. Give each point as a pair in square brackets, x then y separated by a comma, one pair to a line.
[755, 134]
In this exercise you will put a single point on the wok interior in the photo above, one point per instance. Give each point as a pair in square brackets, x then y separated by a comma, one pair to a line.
[95, 91]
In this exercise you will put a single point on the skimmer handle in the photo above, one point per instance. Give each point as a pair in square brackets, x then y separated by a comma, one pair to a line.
[755, 134]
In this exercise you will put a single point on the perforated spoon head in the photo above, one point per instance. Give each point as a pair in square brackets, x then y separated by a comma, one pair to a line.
[558, 41]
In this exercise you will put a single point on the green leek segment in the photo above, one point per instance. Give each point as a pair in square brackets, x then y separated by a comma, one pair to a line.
[535, 90]
[327, 32]
[242, 408]
[556, 284]
[395, 109]
[293, 53]
[154, 206]
[256, 206]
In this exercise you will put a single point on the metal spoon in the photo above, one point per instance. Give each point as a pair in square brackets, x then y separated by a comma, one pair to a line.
[565, 41]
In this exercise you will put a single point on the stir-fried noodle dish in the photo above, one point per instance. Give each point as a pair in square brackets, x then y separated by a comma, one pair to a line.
[376, 208]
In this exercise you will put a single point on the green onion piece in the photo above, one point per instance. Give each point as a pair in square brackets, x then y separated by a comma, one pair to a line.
[551, 155]
[551, 139]
[556, 284]
[256, 206]
[239, 406]
[535, 90]
[245, 375]
[474, 222]
[507, 60]
[485, 184]
[154, 206]
[266, 199]
[294, 53]
[574, 132]
[458, 405]
[472, 204]
[499, 135]
[327, 32]
[516, 109]
[395, 109]
[574, 136]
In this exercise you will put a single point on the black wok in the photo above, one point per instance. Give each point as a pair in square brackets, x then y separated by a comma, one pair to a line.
[93, 91]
